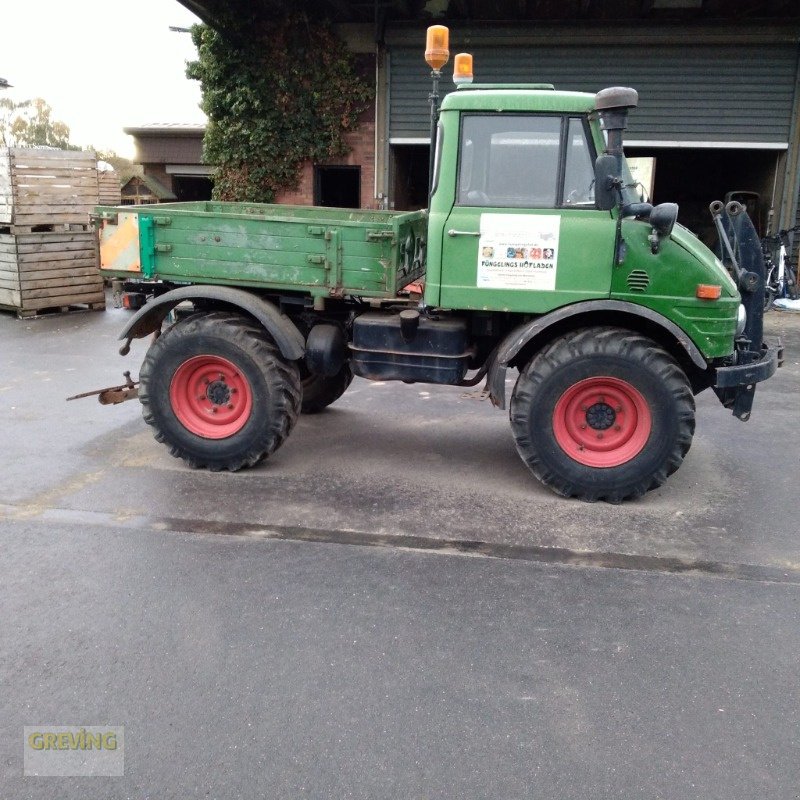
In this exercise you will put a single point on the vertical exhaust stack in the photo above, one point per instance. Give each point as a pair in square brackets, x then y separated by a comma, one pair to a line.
[612, 105]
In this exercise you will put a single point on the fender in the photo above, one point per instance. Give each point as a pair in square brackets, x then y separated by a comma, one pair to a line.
[148, 319]
[520, 336]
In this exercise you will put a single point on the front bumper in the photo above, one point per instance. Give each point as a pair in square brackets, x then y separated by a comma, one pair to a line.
[736, 385]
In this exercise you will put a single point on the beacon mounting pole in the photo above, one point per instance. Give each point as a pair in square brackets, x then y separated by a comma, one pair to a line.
[437, 54]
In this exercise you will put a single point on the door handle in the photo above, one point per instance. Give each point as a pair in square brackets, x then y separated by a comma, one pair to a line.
[454, 232]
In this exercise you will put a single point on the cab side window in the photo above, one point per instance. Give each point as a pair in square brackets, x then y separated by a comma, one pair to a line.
[515, 160]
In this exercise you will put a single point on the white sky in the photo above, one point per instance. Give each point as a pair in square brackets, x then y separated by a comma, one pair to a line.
[101, 64]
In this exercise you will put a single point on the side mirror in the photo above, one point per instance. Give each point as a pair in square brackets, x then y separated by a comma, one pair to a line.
[663, 218]
[605, 172]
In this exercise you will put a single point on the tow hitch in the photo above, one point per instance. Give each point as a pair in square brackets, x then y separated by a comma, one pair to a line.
[113, 394]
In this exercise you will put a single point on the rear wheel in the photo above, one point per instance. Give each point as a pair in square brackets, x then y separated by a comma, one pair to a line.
[217, 391]
[319, 391]
[602, 414]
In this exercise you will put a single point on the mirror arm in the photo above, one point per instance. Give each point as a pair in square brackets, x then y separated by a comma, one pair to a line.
[620, 248]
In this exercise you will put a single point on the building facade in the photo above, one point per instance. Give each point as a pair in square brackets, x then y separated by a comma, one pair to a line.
[718, 83]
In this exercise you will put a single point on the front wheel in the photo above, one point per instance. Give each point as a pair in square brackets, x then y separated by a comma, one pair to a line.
[602, 414]
[217, 391]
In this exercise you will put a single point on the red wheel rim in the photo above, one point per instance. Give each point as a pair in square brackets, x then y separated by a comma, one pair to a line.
[210, 397]
[602, 422]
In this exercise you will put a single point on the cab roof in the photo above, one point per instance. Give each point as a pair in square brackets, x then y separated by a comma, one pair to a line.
[517, 97]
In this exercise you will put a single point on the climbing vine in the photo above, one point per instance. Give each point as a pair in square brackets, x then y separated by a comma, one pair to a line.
[275, 96]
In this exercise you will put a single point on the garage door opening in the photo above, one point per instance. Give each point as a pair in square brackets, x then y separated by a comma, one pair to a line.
[409, 176]
[694, 177]
[337, 187]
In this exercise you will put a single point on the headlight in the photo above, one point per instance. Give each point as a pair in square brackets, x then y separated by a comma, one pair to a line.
[741, 320]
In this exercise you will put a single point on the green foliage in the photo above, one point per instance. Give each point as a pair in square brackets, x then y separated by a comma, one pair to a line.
[274, 97]
[30, 124]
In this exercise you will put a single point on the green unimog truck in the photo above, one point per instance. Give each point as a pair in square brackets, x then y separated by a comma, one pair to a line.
[536, 254]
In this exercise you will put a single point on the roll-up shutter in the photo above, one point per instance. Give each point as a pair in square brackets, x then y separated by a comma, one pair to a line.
[699, 93]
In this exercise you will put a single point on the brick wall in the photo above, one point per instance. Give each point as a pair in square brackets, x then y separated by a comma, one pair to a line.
[362, 154]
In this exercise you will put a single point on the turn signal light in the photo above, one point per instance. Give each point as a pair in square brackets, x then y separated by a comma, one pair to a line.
[707, 291]
[437, 46]
[462, 68]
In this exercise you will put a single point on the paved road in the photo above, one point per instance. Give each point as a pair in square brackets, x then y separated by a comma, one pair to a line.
[391, 459]
[141, 593]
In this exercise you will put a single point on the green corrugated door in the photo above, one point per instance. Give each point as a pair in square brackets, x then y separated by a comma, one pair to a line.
[703, 93]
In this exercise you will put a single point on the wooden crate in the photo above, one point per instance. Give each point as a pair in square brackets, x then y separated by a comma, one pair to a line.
[109, 188]
[49, 270]
[46, 190]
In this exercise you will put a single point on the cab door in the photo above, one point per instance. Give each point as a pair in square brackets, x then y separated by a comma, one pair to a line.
[524, 233]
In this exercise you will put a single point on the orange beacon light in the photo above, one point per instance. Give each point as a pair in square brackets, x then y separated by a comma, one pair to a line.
[437, 43]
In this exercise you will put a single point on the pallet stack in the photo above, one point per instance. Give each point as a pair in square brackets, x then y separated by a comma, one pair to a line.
[109, 188]
[48, 255]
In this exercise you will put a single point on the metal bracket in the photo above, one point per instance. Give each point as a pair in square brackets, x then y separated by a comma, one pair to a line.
[378, 236]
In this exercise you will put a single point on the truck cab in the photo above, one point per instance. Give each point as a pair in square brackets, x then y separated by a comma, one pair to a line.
[513, 221]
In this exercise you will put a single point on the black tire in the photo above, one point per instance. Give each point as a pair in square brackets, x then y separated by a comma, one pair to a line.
[770, 292]
[319, 391]
[792, 289]
[660, 416]
[271, 384]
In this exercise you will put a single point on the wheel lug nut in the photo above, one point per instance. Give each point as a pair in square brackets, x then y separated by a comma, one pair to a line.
[213, 409]
[230, 406]
[233, 391]
[617, 428]
[599, 435]
[601, 399]
[584, 408]
[206, 381]
[583, 427]
[618, 409]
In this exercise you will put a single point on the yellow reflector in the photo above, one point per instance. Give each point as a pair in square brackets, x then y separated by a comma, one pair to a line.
[462, 68]
[707, 291]
[437, 52]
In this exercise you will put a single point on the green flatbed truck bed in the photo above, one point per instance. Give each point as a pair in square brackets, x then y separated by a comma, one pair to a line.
[320, 251]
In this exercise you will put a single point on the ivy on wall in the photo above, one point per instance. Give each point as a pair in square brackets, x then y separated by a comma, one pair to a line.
[275, 96]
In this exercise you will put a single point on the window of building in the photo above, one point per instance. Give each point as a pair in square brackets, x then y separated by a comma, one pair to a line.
[337, 187]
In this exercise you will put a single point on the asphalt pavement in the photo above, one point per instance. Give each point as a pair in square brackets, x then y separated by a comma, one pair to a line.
[391, 606]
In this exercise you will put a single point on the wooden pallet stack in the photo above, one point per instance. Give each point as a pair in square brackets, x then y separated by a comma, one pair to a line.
[109, 188]
[48, 254]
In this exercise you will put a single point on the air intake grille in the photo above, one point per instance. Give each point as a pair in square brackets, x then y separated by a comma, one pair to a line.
[638, 281]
